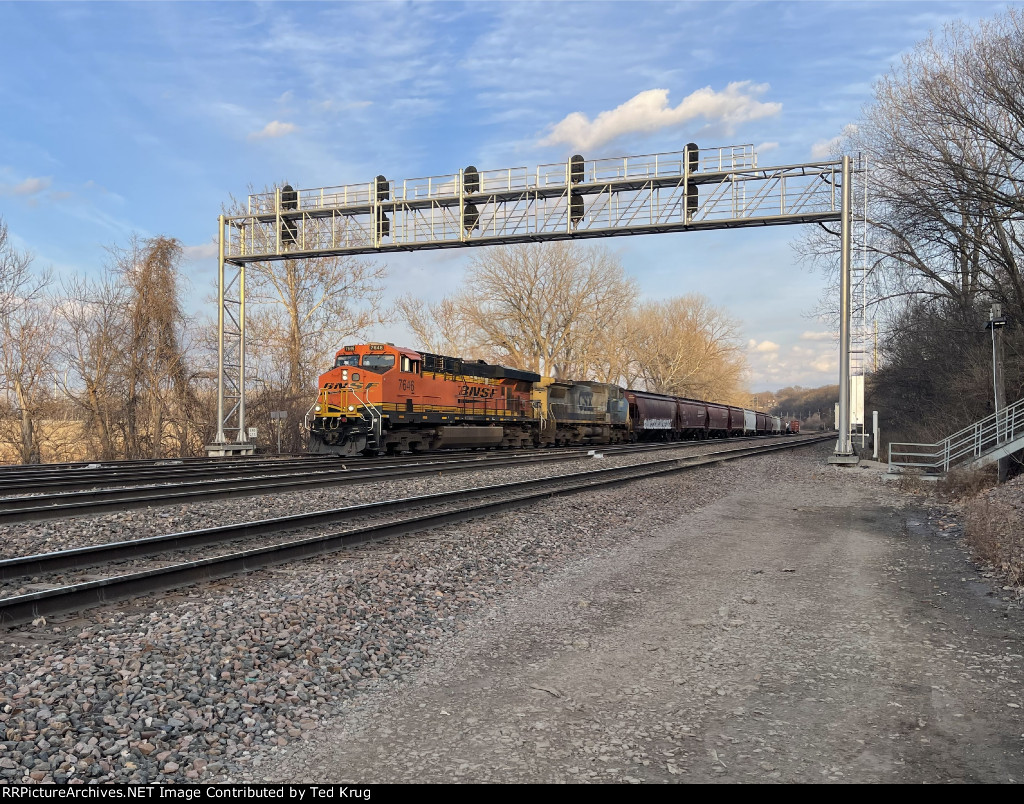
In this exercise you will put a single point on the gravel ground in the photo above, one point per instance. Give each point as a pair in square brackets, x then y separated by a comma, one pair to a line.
[774, 618]
[63, 534]
[207, 683]
[351, 521]
[820, 627]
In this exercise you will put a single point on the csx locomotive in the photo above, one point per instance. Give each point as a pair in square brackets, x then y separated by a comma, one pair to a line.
[379, 398]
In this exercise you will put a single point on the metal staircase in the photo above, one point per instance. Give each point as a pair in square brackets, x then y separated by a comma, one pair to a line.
[978, 444]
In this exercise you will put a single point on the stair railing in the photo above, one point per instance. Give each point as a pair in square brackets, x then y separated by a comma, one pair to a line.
[970, 443]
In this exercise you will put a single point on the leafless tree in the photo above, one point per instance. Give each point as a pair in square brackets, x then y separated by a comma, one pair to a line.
[943, 140]
[93, 339]
[440, 328]
[545, 307]
[26, 347]
[154, 371]
[688, 347]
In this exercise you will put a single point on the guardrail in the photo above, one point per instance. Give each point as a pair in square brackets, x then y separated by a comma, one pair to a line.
[973, 442]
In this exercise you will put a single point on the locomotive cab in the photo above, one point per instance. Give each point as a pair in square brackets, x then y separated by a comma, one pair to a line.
[347, 416]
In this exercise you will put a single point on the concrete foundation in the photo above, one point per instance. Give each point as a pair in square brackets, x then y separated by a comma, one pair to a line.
[229, 450]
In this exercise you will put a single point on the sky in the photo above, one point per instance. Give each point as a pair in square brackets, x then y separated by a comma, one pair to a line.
[146, 118]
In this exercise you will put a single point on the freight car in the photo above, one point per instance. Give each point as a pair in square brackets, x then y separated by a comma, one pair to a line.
[379, 398]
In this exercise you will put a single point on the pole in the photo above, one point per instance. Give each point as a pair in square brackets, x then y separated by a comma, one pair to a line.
[220, 334]
[843, 445]
[243, 437]
[998, 388]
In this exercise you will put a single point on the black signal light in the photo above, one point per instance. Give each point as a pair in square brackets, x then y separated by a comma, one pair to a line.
[692, 166]
[692, 157]
[470, 180]
[575, 169]
[575, 209]
[383, 226]
[289, 201]
[382, 189]
[470, 217]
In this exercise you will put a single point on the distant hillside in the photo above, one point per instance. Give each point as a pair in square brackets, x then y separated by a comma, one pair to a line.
[812, 406]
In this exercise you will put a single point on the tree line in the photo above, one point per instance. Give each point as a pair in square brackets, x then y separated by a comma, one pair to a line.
[114, 366]
[568, 310]
[945, 238]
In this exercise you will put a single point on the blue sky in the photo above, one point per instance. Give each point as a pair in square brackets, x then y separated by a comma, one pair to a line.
[121, 117]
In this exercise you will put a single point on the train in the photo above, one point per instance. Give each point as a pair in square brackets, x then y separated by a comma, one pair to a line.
[379, 398]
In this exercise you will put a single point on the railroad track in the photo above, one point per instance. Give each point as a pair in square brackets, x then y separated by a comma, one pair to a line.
[243, 483]
[48, 481]
[450, 507]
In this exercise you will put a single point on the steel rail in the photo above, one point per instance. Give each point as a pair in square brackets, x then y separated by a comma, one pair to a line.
[81, 557]
[98, 478]
[25, 608]
[41, 507]
[78, 466]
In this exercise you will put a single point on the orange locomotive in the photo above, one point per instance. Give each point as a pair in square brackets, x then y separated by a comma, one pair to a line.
[382, 398]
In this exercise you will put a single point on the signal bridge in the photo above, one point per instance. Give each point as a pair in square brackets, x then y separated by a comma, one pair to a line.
[689, 190]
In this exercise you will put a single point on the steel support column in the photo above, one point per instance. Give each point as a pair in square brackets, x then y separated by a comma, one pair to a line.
[844, 446]
[220, 439]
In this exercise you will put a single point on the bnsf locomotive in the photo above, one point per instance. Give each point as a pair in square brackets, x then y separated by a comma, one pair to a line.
[381, 398]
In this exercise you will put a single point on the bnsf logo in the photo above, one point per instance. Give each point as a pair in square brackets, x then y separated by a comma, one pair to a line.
[475, 392]
[349, 386]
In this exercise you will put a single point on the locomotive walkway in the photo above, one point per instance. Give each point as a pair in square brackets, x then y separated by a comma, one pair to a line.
[817, 627]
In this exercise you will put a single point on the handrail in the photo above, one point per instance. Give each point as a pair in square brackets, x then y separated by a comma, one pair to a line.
[970, 443]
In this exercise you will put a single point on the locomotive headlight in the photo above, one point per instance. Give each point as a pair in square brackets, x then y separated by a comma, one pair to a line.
[318, 408]
[351, 407]
[344, 375]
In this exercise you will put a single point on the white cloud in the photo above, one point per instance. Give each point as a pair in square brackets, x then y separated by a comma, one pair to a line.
[817, 336]
[764, 147]
[272, 130]
[825, 364]
[764, 346]
[286, 96]
[649, 111]
[823, 149]
[28, 187]
[205, 251]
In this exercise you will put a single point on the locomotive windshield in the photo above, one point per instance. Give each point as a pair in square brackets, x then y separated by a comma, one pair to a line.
[379, 363]
[346, 360]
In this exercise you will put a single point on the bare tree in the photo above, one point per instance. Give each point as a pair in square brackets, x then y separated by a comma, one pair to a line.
[946, 233]
[26, 346]
[942, 140]
[440, 328]
[153, 369]
[688, 347]
[546, 307]
[305, 309]
[93, 339]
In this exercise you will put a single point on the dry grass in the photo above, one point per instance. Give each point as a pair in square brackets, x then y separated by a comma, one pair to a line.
[961, 484]
[913, 484]
[994, 525]
[58, 441]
